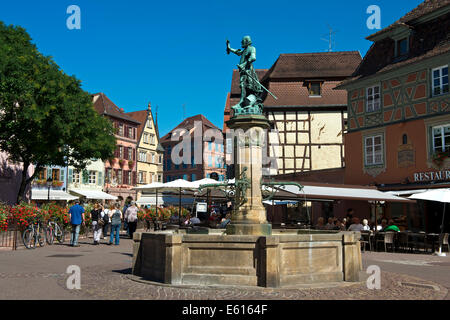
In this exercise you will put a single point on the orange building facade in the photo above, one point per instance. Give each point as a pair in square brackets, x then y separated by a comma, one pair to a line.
[398, 136]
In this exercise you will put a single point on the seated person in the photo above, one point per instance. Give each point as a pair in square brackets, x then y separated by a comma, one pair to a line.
[392, 227]
[320, 224]
[225, 221]
[366, 226]
[356, 225]
[174, 219]
[330, 225]
[195, 220]
[382, 226]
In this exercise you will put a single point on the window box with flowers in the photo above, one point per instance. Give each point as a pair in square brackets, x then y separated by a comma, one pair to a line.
[121, 163]
[57, 183]
[130, 164]
[439, 158]
[40, 182]
[112, 161]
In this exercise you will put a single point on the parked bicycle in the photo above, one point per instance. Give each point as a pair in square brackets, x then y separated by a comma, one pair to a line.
[54, 231]
[33, 234]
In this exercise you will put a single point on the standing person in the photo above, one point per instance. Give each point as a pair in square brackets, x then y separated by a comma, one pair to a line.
[116, 223]
[76, 213]
[96, 216]
[125, 207]
[349, 218]
[106, 216]
[130, 216]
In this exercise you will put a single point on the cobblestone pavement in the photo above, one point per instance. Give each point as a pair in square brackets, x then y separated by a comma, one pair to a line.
[105, 274]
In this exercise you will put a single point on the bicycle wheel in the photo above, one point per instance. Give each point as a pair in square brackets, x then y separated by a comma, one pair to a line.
[50, 234]
[59, 233]
[28, 238]
[41, 236]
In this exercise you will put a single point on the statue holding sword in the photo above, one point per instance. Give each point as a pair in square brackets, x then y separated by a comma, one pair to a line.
[251, 88]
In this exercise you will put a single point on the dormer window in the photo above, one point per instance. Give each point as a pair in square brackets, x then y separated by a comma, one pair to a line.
[314, 88]
[402, 47]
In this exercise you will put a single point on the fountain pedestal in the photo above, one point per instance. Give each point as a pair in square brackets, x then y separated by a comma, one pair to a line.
[249, 218]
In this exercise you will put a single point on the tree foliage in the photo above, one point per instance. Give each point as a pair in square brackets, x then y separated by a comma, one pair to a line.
[45, 116]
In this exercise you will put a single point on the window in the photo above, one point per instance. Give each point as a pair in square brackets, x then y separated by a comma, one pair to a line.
[210, 146]
[108, 175]
[142, 175]
[373, 99]
[193, 177]
[152, 138]
[120, 152]
[146, 138]
[160, 159]
[159, 178]
[55, 174]
[131, 132]
[210, 161]
[42, 175]
[405, 139]
[142, 156]
[153, 158]
[76, 177]
[119, 176]
[314, 89]
[130, 154]
[121, 130]
[402, 47]
[92, 177]
[185, 176]
[149, 123]
[441, 138]
[440, 80]
[374, 150]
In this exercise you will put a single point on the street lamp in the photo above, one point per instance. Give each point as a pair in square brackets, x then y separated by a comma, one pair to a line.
[49, 184]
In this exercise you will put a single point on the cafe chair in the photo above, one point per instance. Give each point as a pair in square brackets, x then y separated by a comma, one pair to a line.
[403, 243]
[388, 240]
[365, 240]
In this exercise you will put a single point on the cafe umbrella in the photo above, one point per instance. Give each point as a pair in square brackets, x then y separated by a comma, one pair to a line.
[439, 195]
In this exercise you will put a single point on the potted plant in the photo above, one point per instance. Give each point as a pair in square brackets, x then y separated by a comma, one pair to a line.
[121, 163]
[130, 164]
[112, 161]
[57, 183]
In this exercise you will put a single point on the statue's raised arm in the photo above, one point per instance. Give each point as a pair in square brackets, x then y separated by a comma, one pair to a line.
[235, 51]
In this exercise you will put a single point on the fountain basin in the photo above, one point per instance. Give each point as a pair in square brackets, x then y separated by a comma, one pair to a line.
[278, 260]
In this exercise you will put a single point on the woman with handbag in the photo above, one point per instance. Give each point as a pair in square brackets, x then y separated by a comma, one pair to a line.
[97, 223]
[106, 216]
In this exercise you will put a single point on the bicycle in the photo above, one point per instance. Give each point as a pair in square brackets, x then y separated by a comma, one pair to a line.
[33, 234]
[53, 231]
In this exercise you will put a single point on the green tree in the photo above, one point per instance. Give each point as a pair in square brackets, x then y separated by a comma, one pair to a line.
[45, 116]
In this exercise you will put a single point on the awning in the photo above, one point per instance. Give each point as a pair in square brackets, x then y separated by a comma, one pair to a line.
[38, 194]
[343, 193]
[149, 200]
[405, 192]
[279, 203]
[93, 194]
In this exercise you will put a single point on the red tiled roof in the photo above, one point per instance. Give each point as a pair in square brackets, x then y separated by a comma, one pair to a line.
[426, 7]
[188, 124]
[314, 65]
[296, 94]
[104, 106]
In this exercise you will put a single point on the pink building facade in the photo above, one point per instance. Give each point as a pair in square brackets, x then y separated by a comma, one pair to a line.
[10, 180]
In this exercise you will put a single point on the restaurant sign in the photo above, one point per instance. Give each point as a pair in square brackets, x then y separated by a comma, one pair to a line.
[432, 176]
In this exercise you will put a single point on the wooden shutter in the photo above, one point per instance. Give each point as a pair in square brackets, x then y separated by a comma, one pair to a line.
[62, 175]
[134, 178]
[126, 132]
[85, 177]
[134, 154]
[70, 177]
[100, 178]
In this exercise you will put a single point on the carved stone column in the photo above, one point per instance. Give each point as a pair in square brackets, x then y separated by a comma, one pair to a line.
[249, 217]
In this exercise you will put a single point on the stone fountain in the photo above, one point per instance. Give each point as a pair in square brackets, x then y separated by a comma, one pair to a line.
[248, 253]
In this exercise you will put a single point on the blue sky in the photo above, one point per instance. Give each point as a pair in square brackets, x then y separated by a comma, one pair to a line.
[172, 53]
